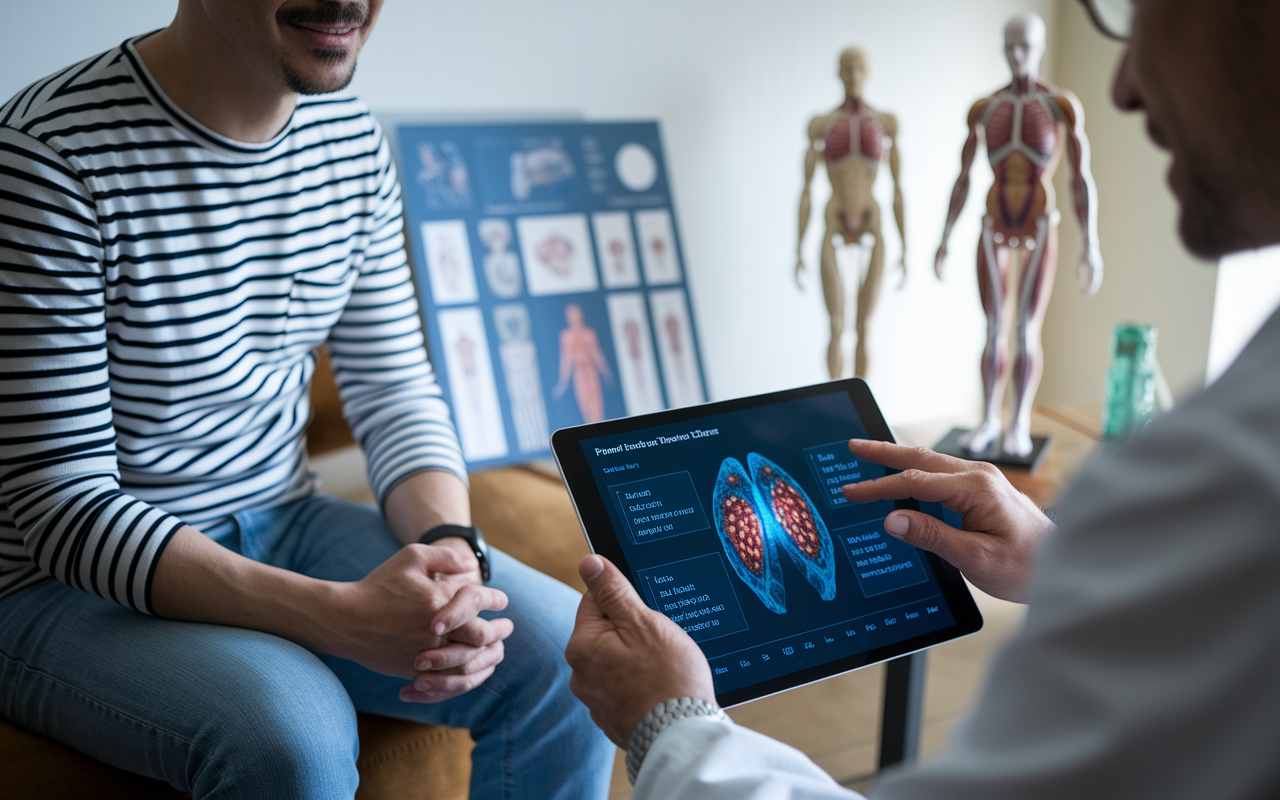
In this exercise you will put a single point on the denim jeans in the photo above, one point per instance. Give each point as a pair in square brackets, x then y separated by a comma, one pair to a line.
[223, 712]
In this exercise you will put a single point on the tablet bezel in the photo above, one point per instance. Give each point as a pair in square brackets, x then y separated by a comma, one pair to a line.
[593, 516]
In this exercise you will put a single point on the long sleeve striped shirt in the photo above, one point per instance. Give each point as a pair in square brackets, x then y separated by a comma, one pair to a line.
[162, 290]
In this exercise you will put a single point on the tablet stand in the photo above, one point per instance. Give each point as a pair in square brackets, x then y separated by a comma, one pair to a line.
[903, 709]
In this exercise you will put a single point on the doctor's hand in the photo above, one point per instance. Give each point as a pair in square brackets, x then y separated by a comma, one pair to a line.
[1002, 531]
[626, 657]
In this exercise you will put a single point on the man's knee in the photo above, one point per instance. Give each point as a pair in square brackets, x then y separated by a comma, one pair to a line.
[281, 726]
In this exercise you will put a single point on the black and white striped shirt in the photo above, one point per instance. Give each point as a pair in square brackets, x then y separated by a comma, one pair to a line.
[161, 292]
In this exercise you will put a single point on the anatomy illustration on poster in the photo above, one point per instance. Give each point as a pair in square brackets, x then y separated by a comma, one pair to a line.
[675, 348]
[615, 250]
[452, 276]
[519, 358]
[501, 265]
[542, 165]
[633, 346]
[583, 363]
[472, 388]
[557, 254]
[551, 277]
[658, 246]
[443, 175]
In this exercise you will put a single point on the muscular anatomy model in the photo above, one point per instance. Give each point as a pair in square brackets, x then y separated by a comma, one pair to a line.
[851, 140]
[1026, 125]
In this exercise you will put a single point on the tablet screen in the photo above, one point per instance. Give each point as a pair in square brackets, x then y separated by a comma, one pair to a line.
[729, 519]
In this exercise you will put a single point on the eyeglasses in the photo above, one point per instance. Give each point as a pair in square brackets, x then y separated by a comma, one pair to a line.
[1113, 17]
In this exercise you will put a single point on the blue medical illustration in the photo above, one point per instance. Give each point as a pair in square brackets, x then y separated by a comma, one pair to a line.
[741, 521]
[792, 519]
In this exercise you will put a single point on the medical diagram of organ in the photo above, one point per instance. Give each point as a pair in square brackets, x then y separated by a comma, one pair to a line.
[582, 362]
[612, 231]
[519, 358]
[501, 265]
[631, 329]
[544, 165]
[657, 244]
[850, 140]
[617, 256]
[466, 349]
[1026, 127]
[739, 517]
[675, 347]
[761, 512]
[555, 252]
[443, 175]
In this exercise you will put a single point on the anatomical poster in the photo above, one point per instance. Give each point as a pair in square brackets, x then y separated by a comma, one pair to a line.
[551, 277]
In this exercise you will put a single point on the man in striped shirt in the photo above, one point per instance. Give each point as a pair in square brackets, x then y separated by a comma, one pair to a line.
[183, 220]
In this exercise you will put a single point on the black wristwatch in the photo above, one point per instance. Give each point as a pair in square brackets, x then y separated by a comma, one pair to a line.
[473, 537]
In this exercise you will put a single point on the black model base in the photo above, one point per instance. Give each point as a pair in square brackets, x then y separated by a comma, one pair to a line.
[950, 445]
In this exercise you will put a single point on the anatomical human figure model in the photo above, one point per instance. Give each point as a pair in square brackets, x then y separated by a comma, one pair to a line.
[1026, 125]
[851, 140]
[582, 360]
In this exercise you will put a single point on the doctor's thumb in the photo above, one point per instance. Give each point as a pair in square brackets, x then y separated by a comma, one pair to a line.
[611, 591]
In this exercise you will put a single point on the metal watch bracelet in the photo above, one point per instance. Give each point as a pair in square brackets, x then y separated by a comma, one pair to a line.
[658, 720]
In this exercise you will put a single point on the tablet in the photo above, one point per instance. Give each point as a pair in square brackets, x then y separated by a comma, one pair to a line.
[728, 518]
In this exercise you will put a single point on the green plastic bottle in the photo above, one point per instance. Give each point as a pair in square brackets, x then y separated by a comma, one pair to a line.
[1131, 381]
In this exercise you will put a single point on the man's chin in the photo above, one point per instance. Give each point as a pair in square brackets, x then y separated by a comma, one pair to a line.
[331, 75]
[1213, 233]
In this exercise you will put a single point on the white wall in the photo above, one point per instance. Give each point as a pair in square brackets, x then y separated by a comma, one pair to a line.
[1248, 292]
[733, 84]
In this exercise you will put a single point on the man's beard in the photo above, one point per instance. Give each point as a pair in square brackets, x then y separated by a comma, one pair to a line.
[297, 82]
[1206, 221]
[1220, 214]
[328, 13]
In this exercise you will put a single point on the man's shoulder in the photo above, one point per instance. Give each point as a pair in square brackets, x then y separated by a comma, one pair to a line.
[87, 88]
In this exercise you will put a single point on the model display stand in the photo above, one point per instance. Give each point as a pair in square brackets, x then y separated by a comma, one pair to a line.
[950, 445]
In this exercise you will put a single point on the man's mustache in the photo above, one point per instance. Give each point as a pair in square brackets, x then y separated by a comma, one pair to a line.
[326, 12]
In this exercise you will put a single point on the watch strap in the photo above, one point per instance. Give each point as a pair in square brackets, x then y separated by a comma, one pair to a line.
[440, 531]
[468, 533]
[661, 717]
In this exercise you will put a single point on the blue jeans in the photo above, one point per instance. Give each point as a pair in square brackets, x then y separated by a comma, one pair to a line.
[223, 712]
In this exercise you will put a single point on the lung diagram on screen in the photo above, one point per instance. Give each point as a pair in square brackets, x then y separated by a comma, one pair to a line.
[740, 520]
[760, 513]
[802, 533]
